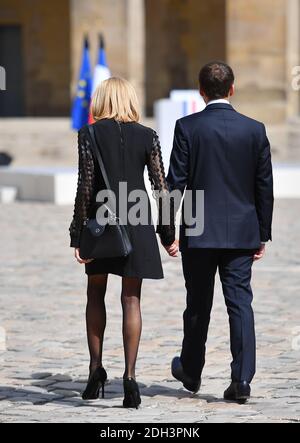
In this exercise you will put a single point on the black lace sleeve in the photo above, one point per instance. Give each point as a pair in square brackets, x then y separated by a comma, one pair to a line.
[85, 188]
[166, 223]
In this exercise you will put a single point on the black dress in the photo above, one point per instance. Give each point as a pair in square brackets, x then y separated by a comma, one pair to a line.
[126, 149]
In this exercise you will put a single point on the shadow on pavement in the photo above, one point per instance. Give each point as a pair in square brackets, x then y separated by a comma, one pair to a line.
[62, 389]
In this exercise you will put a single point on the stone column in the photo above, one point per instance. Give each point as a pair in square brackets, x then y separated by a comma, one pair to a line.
[256, 49]
[135, 11]
[122, 24]
[99, 16]
[293, 56]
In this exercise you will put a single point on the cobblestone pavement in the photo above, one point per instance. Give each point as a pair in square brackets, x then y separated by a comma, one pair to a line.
[42, 307]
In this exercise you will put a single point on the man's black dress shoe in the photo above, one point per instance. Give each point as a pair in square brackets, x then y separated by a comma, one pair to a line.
[238, 391]
[188, 382]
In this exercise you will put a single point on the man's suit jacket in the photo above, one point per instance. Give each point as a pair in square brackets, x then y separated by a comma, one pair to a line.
[227, 155]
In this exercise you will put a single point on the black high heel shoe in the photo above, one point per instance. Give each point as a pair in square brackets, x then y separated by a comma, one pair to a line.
[132, 398]
[96, 381]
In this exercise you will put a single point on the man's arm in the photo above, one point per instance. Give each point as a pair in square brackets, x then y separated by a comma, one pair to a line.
[179, 162]
[264, 198]
[178, 172]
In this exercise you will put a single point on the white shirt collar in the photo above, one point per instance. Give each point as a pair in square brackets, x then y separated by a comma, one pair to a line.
[221, 100]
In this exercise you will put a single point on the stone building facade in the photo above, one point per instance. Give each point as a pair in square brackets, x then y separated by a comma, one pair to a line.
[156, 44]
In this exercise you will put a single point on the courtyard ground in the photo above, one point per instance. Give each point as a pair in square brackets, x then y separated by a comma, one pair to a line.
[42, 303]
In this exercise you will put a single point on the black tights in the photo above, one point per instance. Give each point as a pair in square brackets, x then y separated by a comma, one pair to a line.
[96, 320]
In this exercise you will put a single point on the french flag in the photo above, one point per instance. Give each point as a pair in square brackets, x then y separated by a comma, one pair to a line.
[101, 71]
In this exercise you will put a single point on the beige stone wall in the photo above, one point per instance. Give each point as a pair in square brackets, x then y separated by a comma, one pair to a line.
[159, 45]
[92, 17]
[46, 49]
[256, 49]
[121, 22]
[181, 36]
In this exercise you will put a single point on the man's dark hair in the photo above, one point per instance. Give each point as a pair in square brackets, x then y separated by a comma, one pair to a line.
[216, 79]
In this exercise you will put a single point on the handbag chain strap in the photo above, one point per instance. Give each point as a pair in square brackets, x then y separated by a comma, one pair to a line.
[98, 156]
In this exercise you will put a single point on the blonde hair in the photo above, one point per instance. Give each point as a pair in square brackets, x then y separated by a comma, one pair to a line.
[115, 98]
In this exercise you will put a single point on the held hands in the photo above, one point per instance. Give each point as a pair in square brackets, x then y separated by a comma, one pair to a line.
[173, 249]
[79, 259]
[260, 253]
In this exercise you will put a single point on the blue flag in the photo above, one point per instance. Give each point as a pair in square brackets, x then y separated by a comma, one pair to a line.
[80, 111]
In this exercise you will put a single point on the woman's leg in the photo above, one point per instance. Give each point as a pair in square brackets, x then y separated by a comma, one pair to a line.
[96, 318]
[132, 322]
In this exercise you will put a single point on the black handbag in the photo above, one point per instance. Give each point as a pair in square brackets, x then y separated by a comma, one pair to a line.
[108, 240]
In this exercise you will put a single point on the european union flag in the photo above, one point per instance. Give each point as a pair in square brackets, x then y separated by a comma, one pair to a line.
[80, 111]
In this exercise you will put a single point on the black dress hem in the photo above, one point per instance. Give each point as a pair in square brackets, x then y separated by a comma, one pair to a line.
[119, 274]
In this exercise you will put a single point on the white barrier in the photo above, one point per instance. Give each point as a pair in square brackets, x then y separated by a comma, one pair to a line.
[8, 194]
[286, 181]
[55, 185]
[58, 186]
[166, 111]
[2, 339]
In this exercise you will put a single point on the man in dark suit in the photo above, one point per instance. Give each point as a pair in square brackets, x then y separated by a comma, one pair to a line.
[227, 155]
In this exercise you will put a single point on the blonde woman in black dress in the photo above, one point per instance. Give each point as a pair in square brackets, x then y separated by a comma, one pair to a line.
[126, 148]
